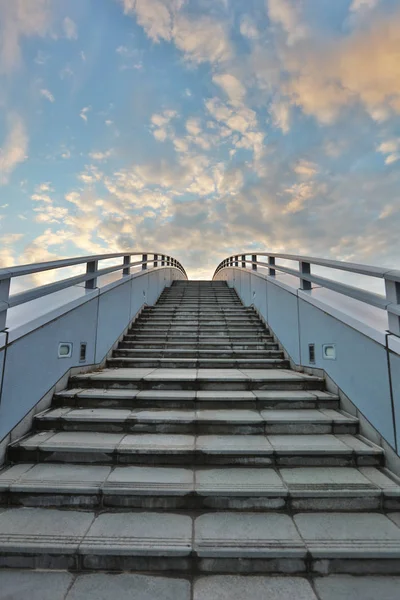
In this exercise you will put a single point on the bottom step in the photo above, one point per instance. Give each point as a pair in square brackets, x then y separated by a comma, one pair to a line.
[42, 585]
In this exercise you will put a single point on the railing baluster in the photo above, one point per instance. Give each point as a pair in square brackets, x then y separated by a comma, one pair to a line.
[305, 267]
[127, 270]
[4, 296]
[254, 260]
[271, 261]
[243, 261]
[236, 261]
[155, 260]
[392, 288]
[144, 264]
[91, 267]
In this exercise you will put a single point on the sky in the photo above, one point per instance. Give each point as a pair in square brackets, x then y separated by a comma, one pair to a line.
[200, 128]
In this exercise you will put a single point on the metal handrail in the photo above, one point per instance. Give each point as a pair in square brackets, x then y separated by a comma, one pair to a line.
[389, 302]
[89, 278]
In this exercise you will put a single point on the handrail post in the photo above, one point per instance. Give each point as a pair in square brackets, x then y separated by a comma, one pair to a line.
[392, 288]
[168, 261]
[305, 267]
[271, 262]
[4, 297]
[254, 261]
[236, 261]
[243, 261]
[91, 267]
[163, 260]
[144, 264]
[155, 260]
[126, 270]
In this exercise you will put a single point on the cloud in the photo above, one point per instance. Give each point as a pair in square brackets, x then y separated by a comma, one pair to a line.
[47, 94]
[83, 113]
[287, 14]
[20, 19]
[305, 169]
[362, 5]
[14, 149]
[160, 124]
[279, 110]
[391, 148]
[232, 87]
[101, 156]
[201, 38]
[363, 68]
[70, 29]
[248, 28]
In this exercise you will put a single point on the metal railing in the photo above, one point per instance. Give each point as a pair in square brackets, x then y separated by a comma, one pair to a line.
[389, 302]
[147, 260]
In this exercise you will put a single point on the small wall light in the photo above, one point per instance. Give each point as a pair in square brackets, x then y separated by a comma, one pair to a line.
[329, 351]
[64, 350]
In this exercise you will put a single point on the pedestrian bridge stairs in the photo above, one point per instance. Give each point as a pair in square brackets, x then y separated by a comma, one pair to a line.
[201, 464]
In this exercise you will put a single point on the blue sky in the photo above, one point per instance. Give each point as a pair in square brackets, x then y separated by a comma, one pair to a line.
[200, 128]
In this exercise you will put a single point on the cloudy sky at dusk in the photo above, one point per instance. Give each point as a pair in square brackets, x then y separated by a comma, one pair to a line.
[200, 128]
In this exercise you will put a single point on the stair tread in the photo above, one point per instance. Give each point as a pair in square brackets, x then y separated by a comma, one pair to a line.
[191, 415]
[155, 442]
[223, 534]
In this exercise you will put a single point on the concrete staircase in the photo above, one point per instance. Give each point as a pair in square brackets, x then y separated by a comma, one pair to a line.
[202, 465]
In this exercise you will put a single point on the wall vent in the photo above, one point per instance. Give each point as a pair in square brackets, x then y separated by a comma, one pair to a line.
[311, 353]
[82, 352]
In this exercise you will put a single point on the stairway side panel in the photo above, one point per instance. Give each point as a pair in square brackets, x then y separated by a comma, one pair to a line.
[360, 368]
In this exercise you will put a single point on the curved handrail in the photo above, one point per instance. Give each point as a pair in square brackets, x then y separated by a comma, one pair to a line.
[389, 302]
[89, 278]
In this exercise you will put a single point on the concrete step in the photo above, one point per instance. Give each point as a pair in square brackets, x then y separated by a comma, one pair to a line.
[228, 352]
[195, 326]
[200, 421]
[198, 363]
[200, 339]
[175, 449]
[199, 318]
[213, 542]
[198, 379]
[96, 487]
[222, 310]
[191, 399]
[216, 346]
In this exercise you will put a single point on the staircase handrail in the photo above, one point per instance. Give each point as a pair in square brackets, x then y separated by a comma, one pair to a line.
[89, 278]
[389, 302]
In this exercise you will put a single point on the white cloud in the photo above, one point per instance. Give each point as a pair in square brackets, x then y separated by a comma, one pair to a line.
[19, 19]
[47, 94]
[248, 28]
[362, 5]
[14, 149]
[391, 148]
[160, 124]
[305, 169]
[83, 113]
[193, 126]
[362, 68]
[201, 38]
[231, 85]
[280, 112]
[100, 156]
[70, 29]
[287, 14]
